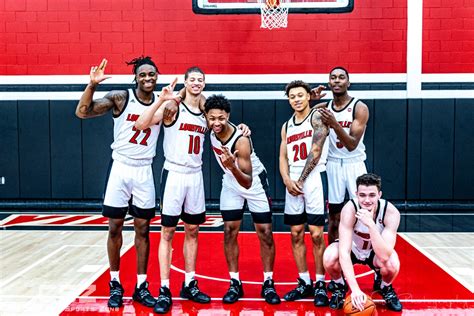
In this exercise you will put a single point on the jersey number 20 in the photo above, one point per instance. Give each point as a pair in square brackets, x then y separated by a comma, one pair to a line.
[300, 152]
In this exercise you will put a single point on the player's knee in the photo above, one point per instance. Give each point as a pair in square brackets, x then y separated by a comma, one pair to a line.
[331, 256]
[167, 233]
[230, 233]
[297, 237]
[192, 231]
[317, 237]
[266, 237]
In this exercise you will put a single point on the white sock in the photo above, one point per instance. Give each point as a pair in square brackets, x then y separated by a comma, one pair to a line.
[114, 275]
[140, 279]
[339, 281]
[267, 275]
[384, 284]
[165, 283]
[319, 277]
[234, 275]
[189, 277]
[305, 277]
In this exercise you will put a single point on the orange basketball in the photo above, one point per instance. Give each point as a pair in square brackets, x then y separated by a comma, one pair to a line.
[369, 308]
[272, 3]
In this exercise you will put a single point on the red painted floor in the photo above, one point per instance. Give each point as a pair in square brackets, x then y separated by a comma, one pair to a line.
[423, 287]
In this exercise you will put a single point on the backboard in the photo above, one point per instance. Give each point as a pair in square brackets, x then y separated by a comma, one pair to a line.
[253, 6]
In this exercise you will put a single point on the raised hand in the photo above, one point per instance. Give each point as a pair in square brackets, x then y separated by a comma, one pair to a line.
[316, 92]
[167, 91]
[328, 117]
[245, 129]
[97, 73]
[227, 158]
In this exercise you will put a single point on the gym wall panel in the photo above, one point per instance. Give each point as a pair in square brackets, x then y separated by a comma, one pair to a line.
[463, 150]
[437, 145]
[66, 151]
[390, 146]
[260, 116]
[369, 136]
[413, 153]
[97, 136]
[283, 112]
[34, 149]
[9, 162]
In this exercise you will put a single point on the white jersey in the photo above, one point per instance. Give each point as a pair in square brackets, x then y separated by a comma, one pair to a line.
[132, 146]
[345, 117]
[299, 139]
[257, 166]
[361, 244]
[184, 140]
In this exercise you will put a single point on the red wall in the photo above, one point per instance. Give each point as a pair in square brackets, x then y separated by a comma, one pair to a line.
[67, 37]
[448, 36]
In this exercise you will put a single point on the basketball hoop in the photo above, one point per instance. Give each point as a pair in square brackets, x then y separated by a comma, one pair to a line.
[274, 14]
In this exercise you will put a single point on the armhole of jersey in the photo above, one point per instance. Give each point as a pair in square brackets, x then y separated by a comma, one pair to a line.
[175, 120]
[355, 206]
[384, 212]
[124, 106]
[354, 110]
[232, 149]
[286, 127]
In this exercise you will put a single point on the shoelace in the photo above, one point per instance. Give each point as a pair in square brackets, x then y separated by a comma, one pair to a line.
[115, 291]
[389, 295]
[234, 289]
[268, 290]
[194, 291]
[163, 297]
[300, 288]
[319, 291]
[144, 293]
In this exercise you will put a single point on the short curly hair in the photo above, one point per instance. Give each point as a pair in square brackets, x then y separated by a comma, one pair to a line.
[369, 179]
[297, 84]
[218, 102]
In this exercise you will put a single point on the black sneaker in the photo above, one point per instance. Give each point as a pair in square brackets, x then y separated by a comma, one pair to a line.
[302, 290]
[331, 286]
[116, 294]
[268, 292]
[143, 296]
[193, 293]
[391, 298]
[377, 281]
[234, 292]
[163, 302]
[320, 294]
[338, 296]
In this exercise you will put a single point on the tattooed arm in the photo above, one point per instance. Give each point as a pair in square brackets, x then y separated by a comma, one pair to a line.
[320, 131]
[87, 107]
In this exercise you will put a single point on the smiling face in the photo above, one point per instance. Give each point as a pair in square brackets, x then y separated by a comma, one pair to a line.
[368, 196]
[338, 82]
[194, 83]
[217, 120]
[146, 78]
[299, 99]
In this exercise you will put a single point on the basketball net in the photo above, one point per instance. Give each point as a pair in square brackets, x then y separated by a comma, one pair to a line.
[274, 14]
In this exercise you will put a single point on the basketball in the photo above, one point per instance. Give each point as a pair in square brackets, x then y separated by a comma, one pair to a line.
[369, 308]
[272, 3]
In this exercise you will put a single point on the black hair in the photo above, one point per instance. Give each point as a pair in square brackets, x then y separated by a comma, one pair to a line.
[297, 84]
[369, 179]
[342, 68]
[193, 69]
[218, 102]
[140, 61]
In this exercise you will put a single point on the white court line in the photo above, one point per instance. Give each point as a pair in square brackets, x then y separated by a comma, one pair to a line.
[303, 300]
[437, 262]
[253, 282]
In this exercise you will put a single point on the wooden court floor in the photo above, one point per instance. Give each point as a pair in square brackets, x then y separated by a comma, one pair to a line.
[57, 265]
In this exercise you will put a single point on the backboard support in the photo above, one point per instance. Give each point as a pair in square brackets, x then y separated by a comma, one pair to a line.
[253, 6]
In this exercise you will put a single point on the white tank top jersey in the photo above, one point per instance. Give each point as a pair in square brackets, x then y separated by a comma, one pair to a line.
[130, 145]
[183, 141]
[361, 245]
[345, 117]
[257, 166]
[299, 139]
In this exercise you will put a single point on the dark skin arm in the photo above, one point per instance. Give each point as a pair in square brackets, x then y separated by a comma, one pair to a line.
[320, 131]
[88, 107]
[242, 171]
[351, 140]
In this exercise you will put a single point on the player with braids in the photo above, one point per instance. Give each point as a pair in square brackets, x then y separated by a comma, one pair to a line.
[130, 186]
